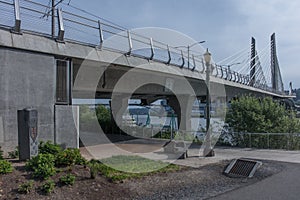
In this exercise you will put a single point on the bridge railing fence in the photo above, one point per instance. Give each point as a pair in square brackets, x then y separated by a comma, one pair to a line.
[31, 16]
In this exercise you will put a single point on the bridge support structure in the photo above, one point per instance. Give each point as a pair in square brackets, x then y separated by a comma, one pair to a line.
[252, 62]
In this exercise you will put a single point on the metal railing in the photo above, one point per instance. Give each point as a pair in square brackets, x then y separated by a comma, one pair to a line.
[286, 141]
[30, 16]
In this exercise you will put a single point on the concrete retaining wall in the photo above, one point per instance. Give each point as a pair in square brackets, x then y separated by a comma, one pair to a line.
[67, 126]
[26, 80]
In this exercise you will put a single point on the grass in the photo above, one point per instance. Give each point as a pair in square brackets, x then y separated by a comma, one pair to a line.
[118, 168]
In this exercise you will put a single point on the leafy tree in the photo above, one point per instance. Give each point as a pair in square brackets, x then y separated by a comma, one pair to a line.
[104, 118]
[253, 115]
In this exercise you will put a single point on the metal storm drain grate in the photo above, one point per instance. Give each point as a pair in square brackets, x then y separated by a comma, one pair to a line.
[242, 167]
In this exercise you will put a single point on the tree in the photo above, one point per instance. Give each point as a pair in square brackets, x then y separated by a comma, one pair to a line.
[253, 115]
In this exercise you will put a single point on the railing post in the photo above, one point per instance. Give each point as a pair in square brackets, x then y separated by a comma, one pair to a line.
[169, 54]
[100, 34]
[183, 61]
[217, 71]
[194, 62]
[61, 29]
[203, 66]
[129, 42]
[152, 49]
[17, 28]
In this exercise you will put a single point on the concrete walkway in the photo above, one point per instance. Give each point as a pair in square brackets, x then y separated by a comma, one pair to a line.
[232, 153]
[284, 185]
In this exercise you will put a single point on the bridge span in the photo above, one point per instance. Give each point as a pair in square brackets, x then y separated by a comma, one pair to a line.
[47, 72]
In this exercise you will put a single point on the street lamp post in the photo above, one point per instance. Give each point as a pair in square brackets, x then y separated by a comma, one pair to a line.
[208, 150]
[188, 50]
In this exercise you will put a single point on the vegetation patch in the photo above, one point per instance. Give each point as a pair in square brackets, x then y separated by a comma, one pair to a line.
[25, 188]
[5, 167]
[42, 166]
[68, 179]
[118, 168]
[48, 187]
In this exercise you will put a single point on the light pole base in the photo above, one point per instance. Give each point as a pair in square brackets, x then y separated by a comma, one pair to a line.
[208, 152]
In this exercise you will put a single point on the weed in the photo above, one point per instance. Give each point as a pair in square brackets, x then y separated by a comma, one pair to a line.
[48, 187]
[25, 188]
[68, 179]
[5, 167]
[14, 154]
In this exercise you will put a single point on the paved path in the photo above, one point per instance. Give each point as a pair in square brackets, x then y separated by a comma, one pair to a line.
[284, 185]
[231, 153]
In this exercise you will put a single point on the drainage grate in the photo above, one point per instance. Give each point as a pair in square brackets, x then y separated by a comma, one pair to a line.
[242, 167]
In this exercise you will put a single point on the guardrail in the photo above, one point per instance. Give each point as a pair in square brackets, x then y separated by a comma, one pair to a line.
[30, 16]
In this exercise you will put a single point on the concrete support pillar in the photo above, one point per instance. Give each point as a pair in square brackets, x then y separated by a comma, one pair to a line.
[182, 105]
[118, 107]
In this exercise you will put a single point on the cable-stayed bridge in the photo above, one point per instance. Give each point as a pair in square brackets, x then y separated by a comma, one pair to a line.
[52, 55]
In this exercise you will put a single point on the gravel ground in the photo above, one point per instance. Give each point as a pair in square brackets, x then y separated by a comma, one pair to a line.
[188, 183]
[202, 183]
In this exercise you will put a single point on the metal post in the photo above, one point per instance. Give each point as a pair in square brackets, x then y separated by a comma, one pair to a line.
[17, 28]
[129, 42]
[100, 34]
[169, 54]
[152, 49]
[53, 19]
[194, 62]
[183, 62]
[188, 48]
[61, 30]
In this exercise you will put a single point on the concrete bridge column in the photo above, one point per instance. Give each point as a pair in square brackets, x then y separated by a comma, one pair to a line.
[118, 107]
[182, 105]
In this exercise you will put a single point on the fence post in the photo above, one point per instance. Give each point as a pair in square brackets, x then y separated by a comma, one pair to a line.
[129, 42]
[17, 28]
[152, 49]
[250, 140]
[100, 34]
[61, 29]
[268, 138]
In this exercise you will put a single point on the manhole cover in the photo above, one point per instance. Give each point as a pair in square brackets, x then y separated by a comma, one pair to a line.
[242, 167]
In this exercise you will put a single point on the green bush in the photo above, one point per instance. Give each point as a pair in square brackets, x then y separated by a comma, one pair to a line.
[14, 154]
[5, 167]
[49, 148]
[104, 118]
[25, 188]
[69, 157]
[42, 166]
[48, 187]
[68, 179]
[253, 115]
[94, 166]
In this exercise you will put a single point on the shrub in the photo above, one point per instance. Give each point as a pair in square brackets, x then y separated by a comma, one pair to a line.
[49, 148]
[68, 179]
[94, 166]
[48, 187]
[69, 157]
[42, 166]
[5, 167]
[14, 154]
[25, 188]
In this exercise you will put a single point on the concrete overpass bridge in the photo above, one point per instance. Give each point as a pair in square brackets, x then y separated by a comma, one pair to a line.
[47, 68]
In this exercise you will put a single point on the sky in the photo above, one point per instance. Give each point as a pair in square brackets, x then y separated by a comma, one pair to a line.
[226, 25]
